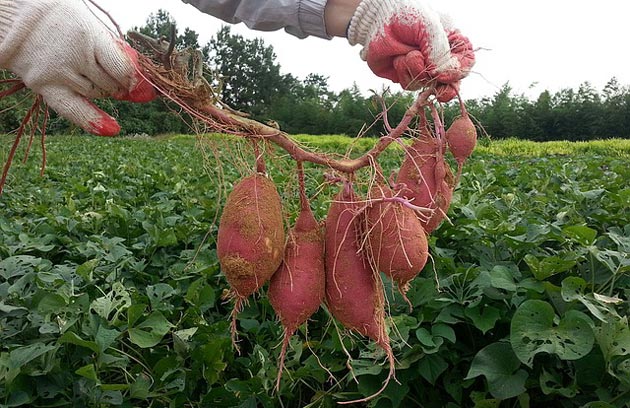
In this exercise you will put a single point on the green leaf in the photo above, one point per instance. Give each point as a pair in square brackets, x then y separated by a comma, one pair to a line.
[550, 385]
[105, 337]
[573, 289]
[52, 302]
[72, 338]
[88, 371]
[431, 367]
[484, 318]
[86, 269]
[444, 331]
[533, 331]
[150, 332]
[135, 312]
[581, 234]
[140, 388]
[23, 355]
[502, 277]
[113, 303]
[613, 338]
[498, 363]
[548, 266]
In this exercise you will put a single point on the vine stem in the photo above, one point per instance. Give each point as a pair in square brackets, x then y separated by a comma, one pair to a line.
[281, 139]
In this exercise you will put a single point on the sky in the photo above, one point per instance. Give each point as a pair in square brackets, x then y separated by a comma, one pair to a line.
[533, 45]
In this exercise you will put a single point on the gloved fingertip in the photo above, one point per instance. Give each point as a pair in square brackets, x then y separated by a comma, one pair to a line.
[104, 126]
[142, 92]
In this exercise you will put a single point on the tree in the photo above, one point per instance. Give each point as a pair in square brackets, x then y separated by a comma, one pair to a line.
[251, 77]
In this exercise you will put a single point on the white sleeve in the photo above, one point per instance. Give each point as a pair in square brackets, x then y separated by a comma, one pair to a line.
[300, 18]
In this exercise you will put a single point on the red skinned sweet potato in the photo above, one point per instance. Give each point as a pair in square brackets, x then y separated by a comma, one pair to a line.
[398, 245]
[427, 179]
[296, 290]
[461, 137]
[250, 242]
[354, 291]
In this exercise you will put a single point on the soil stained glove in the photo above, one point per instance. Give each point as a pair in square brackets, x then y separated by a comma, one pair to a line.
[62, 52]
[411, 44]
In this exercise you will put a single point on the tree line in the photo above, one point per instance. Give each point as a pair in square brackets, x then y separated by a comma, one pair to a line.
[249, 79]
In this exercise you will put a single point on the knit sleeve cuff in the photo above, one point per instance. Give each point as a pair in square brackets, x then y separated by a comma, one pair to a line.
[369, 17]
[311, 20]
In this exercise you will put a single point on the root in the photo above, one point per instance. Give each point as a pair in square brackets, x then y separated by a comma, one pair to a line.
[285, 344]
[30, 119]
[239, 304]
[391, 374]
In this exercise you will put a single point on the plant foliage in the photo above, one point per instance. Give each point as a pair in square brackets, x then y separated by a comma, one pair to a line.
[111, 293]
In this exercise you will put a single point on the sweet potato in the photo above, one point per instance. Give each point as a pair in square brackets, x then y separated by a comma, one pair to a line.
[426, 179]
[354, 291]
[461, 137]
[398, 245]
[250, 242]
[296, 290]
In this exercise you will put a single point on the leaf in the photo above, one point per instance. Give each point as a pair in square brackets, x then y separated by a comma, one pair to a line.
[573, 290]
[548, 266]
[51, 302]
[158, 294]
[140, 388]
[430, 343]
[88, 371]
[10, 309]
[498, 363]
[431, 367]
[86, 269]
[581, 234]
[502, 277]
[613, 338]
[18, 358]
[105, 337]
[550, 385]
[113, 303]
[483, 318]
[150, 332]
[533, 331]
[444, 331]
[73, 338]
[20, 265]
[135, 312]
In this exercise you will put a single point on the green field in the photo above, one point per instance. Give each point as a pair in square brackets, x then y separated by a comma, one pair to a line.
[111, 293]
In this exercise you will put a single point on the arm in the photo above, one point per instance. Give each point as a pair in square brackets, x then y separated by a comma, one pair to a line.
[403, 40]
[319, 18]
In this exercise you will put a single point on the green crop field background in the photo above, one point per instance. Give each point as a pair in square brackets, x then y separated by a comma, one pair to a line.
[111, 293]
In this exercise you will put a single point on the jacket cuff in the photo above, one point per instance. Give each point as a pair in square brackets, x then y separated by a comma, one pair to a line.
[311, 20]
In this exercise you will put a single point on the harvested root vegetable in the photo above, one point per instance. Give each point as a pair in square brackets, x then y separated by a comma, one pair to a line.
[296, 290]
[426, 179]
[397, 242]
[461, 137]
[250, 242]
[354, 291]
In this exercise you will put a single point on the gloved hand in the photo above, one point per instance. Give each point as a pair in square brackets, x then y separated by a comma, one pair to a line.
[63, 52]
[411, 44]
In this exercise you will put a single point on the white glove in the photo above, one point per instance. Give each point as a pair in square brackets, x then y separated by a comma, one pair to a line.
[64, 53]
[411, 44]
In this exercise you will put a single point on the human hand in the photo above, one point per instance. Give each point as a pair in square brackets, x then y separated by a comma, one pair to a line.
[61, 51]
[411, 44]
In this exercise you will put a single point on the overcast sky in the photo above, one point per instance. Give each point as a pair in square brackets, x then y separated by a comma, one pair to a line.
[534, 45]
